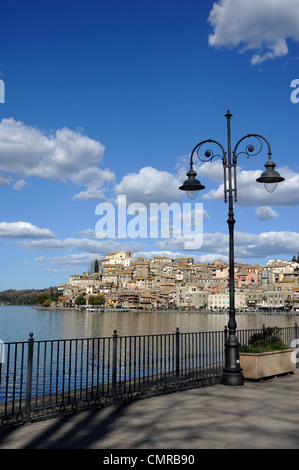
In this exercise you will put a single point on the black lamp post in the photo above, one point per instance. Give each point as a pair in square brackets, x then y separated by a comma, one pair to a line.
[232, 372]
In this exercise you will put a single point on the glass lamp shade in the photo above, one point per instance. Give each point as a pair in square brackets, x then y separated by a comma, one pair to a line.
[270, 187]
[192, 194]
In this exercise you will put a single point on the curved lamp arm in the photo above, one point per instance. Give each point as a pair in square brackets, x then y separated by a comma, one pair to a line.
[270, 177]
[209, 154]
[250, 148]
[192, 185]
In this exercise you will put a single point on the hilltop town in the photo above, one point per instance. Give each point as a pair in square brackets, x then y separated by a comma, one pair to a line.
[161, 282]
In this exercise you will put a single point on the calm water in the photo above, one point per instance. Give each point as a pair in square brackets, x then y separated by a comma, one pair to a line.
[16, 322]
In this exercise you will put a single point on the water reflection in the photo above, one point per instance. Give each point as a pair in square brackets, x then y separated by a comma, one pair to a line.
[16, 322]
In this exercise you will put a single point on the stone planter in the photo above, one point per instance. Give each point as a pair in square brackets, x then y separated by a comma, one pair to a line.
[267, 364]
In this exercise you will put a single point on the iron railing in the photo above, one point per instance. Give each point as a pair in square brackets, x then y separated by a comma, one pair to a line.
[40, 379]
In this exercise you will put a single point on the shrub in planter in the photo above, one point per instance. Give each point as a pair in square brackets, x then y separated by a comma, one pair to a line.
[268, 340]
[266, 355]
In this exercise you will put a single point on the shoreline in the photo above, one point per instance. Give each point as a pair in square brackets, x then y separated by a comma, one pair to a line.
[185, 310]
[132, 310]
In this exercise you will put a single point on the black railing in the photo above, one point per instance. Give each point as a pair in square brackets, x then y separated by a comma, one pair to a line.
[39, 379]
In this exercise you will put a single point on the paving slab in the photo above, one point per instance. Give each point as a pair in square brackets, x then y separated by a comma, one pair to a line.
[258, 415]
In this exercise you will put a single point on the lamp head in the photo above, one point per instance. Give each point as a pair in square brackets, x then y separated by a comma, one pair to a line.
[192, 185]
[270, 177]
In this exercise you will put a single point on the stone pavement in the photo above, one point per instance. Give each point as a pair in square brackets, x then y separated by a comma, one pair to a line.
[258, 415]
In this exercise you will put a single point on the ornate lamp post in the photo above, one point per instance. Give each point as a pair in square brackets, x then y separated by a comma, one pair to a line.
[232, 372]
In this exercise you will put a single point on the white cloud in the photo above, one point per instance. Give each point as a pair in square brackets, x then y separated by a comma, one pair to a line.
[266, 213]
[20, 184]
[5, 180]
[247, 245]
[82, 244]
[65, 155]
[89, 251]
[206, 258]
[90, 194]
[150, 185]
[94, 179]
[266, 244]
[71, 260]
[251, 193]
[23, 230]
[40, 259]
[88, 233]
[258, 25]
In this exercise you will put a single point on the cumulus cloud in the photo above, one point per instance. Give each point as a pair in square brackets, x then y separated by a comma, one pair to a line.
[5, 180]
[266, 213]
[20, 184]
[23, 230]
[88, 251]
[65, 155]
[81, 244]
[250, 192]
[205, 258]
[150, 185]
[262, 26]
[94, 179]
[247, 245]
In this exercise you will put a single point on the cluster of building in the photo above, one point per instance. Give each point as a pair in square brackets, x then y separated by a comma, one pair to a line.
[163, 283]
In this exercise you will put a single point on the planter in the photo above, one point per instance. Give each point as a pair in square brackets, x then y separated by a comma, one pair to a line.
[266, 364]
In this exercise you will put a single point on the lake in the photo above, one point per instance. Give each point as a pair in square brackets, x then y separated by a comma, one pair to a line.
[16, 322]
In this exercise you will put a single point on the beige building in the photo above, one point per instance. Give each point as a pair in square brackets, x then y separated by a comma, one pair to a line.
[119, 257]
[221, 301]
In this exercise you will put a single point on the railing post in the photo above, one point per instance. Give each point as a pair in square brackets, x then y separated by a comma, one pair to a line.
[225, 333]
[264, 330]
[295, 342]
[29, 377]
[177, 357]
[114, 366]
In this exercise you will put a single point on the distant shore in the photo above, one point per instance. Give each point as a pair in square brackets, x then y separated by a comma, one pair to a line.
[92, 309]
[190, 310]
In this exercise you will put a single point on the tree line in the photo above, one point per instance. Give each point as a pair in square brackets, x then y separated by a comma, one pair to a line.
[28, 296]
[94, 300]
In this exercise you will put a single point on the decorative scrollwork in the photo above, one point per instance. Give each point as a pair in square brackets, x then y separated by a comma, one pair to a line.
[209, 153]
[250, 149]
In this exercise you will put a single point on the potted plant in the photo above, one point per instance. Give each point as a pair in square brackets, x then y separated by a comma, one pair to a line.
[266, 355]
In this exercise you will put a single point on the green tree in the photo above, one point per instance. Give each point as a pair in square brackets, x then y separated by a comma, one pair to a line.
[41, 298]
[80, 300]
[96, 266]
[96, 300]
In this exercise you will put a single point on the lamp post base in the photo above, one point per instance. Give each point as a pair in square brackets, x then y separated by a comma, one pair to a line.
[232, 372]
[234, 379]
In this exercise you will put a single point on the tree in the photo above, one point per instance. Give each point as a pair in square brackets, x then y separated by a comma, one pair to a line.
[41, 298]
[96, 266]
[80, 300]
[96, 300]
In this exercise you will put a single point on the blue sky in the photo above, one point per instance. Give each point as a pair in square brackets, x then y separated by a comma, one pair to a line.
[106, 98]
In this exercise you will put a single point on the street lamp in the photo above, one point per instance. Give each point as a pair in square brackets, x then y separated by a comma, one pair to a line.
[232, 372]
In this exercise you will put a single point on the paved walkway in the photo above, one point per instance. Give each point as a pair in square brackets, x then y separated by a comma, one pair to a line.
[258, 415]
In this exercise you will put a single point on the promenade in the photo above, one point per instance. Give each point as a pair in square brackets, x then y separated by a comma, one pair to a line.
[258, 415]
